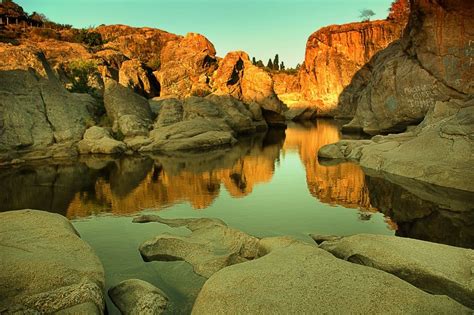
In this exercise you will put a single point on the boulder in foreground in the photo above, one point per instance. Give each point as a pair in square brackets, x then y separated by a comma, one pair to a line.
[46, 267]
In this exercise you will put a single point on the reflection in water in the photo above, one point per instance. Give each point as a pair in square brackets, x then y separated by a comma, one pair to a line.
[341, 184]
[123, 186]
[424, 211]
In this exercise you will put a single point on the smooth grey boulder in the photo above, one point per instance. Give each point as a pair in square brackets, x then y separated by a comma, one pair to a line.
[121, 101]
[299, 278]
[136, 296]
[435, 268]
[211, 246]
[99, 140]
[46, 267]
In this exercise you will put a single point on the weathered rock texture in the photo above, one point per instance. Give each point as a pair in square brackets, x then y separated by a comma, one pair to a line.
[335, 53]
[98, 140]
[238, 77]
[431, 63]
[211, 246]
[139, 77]
[426, 76]
[136, 296]
[38, 116]
[450, 273]
[46, 267]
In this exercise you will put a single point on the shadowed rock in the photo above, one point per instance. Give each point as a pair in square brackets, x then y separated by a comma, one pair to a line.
[436, 268]
[136, 296]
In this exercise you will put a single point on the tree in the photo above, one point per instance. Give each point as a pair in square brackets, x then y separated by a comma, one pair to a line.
[270, 64]
[298, 66]
[399, 10]
[366, 14]
[254, 61]
[276, 63]
[282, 66]
[260, 64]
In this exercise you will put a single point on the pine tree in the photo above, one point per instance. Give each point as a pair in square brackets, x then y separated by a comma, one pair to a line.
[270, 64]
[282, 66]
[260, 64]
[254, 61]
[298, 66]
[276, 63]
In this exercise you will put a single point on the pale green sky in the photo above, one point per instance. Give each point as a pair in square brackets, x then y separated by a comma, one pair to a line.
[259, 27]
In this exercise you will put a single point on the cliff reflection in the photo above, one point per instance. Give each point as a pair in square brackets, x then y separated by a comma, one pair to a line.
[342, 184]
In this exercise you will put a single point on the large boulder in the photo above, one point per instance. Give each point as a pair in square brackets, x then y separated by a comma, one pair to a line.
[435, 268]
[211, 246]
[439, 151]
[98, 140]
[137, 76]
[129, 112]
[37, 111]
[299, 278]
[136, 296]
[186, 65]
[238, 77]
[47, 267]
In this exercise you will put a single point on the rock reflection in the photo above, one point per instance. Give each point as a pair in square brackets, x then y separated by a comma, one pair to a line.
[425, 211]
[342, 184]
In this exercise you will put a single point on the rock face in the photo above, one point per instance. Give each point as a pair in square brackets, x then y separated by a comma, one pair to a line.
[47, 267]
[136, 296]
[335, 53]
[429, 78]
[211, 246]
[38, 115]
[139, 78]
[198, 123]
[129, 112]
[238, 77]
[412, 261]
[186, 66]
[301, 278]
[431, 63]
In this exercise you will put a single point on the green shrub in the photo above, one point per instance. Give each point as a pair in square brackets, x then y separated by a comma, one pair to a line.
[89, 38]
[79, 71]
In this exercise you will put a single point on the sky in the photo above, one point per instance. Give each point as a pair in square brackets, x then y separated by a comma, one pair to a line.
[262, 28]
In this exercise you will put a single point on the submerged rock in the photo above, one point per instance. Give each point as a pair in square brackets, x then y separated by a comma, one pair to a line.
[136, 296]
[300, 278]
[211, 246]
[435, 268]
[47, 267]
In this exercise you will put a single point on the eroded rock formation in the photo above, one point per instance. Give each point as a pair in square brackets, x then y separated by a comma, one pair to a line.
[335, 53]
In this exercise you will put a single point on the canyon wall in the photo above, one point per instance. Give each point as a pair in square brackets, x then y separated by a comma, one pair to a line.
[335, 53]
[427, 76]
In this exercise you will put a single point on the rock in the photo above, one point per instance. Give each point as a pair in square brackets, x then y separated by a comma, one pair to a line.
[427, 65]
[39, 114]
[211, 246]
[47, 267]
[171, 112]
[98, 140]
[236, 76]
[121, 101]
[334, 54]
[136, 296]
[437, 152]
[288, 275]
[435, 268]
[284, 83]
[186, 66]
[137, 76]
[300, 113]
[256, 111]
[144, 44]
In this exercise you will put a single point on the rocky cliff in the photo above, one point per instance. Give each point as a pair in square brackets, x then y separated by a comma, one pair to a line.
[335, 53]
[426, 76]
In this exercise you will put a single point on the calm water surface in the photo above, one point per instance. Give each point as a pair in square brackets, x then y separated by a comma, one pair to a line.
[267, 185]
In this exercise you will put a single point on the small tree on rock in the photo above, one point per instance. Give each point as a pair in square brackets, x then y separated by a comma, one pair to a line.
[282, 66]
[270, 64]
[366, 15]
[254, 61]
[276, 63]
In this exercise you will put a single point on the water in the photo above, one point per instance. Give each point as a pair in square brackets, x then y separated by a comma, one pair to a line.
[267, 185]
